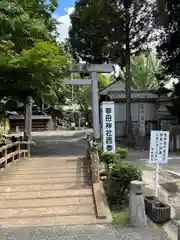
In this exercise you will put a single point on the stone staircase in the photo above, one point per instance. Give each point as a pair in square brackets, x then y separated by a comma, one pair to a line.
[46, 191]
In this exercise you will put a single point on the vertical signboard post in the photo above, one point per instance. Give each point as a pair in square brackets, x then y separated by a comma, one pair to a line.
[141, 114]
[158, 153]
[108, 127]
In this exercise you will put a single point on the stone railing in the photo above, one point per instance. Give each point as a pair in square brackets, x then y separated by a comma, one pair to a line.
[93, 158]
[14, 151]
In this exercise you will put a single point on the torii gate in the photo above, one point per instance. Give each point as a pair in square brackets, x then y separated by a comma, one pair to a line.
[94, 69]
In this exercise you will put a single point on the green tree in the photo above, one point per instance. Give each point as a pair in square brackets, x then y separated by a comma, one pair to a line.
[169, 46]
[31, 62]
[145, 71]
[34, 71]
[111, 30]
[24, 22]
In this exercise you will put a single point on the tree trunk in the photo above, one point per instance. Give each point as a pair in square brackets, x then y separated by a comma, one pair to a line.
[128, 80]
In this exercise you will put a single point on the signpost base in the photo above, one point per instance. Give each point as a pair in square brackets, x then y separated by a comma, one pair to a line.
[156, 179]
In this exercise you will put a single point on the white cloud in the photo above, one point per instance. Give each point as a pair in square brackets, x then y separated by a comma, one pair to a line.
[63, 28]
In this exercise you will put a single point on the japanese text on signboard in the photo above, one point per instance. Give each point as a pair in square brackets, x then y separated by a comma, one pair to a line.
[159, 147]
[108, 129]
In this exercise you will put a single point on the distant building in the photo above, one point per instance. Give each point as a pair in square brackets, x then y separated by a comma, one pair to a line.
[154, 109]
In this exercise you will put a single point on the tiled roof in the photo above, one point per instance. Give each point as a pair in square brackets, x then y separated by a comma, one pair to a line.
[135, 95]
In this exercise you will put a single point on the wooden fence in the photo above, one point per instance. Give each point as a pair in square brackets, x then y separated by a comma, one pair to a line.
[14, 151]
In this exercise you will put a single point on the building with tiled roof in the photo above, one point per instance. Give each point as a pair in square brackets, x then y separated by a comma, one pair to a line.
[146, 104]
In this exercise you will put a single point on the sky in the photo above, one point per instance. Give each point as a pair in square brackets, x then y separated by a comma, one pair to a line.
[62, 14]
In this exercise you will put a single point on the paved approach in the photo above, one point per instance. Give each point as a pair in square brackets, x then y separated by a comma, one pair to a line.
[36, 193]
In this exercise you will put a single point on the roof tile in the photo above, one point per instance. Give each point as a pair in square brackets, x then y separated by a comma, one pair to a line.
[135, 95]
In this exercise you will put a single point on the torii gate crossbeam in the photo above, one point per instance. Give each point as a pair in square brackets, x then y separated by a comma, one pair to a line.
[94, 69]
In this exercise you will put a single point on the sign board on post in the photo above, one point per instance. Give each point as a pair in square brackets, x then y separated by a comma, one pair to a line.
[108, 127]
[158, 154]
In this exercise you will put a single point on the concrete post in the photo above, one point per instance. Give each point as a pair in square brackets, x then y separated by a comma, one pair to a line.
[137, 216]
[95, 106]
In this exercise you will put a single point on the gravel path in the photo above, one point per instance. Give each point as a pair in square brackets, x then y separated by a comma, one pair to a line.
[91, 232]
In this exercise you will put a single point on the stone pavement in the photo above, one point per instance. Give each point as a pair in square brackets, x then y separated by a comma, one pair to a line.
[82, 232]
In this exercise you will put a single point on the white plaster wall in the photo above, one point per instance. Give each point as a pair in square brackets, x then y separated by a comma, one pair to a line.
[120, 115]
[120, 112]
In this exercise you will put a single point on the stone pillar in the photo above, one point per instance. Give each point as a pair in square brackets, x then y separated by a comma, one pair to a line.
[137, 216]
[95, 106]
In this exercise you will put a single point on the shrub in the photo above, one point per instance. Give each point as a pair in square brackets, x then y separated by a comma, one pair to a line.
[118, 182]
[107, 157]
[123, 152]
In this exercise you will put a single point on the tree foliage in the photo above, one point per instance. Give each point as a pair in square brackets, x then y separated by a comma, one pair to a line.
[32, 72]
[111, 30]
[146, 71]
[169, 47]
[24, 22]
[169, 43]
[31, 61]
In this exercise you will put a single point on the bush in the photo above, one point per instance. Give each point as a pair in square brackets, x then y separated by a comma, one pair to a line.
[123, 152]
[107, 157]
[118, 182]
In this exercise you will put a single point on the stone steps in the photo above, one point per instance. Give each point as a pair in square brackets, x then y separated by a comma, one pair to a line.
[42, 187]
[46, 171]
[47, 211]
[46, 202]
[47, 194]
[41, 192]
[59, 180]
[50, 221]
[52, 168]
[45, 175]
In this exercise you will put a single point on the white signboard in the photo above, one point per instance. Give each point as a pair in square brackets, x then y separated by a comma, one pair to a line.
[158, 153]
[142, 129]
[159, 147]
[108, 127]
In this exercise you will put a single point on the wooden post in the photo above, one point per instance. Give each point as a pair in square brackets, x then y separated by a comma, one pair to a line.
[178, 237]
[29, 149]
[95, 163]
[19, 148]
[5, 154]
